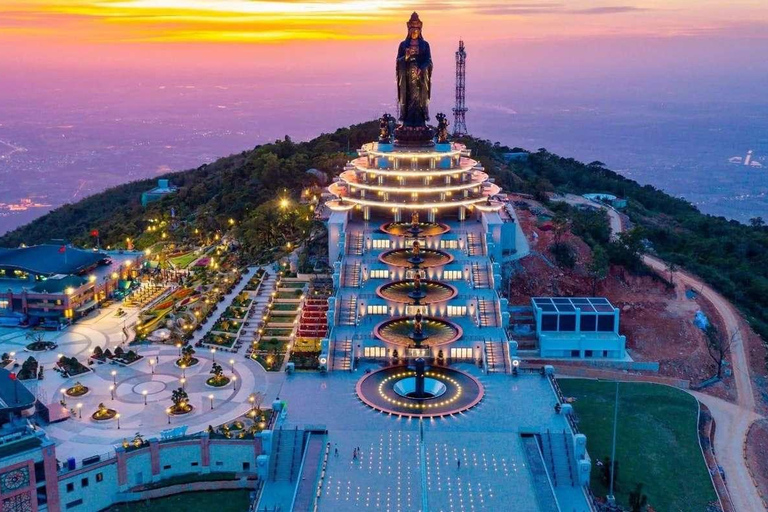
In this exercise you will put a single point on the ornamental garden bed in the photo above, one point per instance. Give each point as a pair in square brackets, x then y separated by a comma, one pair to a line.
[289, 295]
[217, 382]
[226, 325]
[70, 367]
[103, 413]
[293, 284]
[270, 362]
[77, 390]
[305, 360]
[285, 306]
[41, 346]
[242, 300]
[220, 340]
[235, 312]
[120, 356]
[29, 369]
[277, 332]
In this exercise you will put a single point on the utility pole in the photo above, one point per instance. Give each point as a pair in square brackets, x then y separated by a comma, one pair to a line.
[611, 497]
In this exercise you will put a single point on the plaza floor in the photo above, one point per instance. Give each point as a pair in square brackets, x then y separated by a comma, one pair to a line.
[398, 471]
[82, 437]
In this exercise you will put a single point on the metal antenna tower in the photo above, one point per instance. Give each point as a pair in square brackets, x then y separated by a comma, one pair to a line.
[459, 111]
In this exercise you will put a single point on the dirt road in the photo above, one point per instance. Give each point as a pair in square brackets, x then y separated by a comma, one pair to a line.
[732, 420]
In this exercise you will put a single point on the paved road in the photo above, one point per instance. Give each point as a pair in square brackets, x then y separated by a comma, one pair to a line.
[732, 420]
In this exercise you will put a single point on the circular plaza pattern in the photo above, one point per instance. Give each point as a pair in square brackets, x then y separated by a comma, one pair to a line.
[429, 257]
[434, 291]
[427, 228]
[386, 390]
[437, 331]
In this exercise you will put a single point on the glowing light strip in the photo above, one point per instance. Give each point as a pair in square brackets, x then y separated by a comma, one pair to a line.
[479, 180]
[466, 167]
[412, 206]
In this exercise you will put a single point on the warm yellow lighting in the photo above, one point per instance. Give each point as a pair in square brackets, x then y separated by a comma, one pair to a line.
[284, 203]
[69, 291]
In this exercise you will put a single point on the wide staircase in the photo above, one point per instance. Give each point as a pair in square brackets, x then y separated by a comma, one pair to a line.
[495, 361]
[351, 275]
[474, 245]
[489, 316]
[545, 497]
[555, 447]
[348, 310]
[342, 355]
[287, 452]
[355, 244]
[481, 275]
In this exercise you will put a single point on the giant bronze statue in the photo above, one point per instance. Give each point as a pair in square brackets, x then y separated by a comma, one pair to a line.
[414, 83]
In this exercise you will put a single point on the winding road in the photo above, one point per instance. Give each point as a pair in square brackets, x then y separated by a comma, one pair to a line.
[732, 420]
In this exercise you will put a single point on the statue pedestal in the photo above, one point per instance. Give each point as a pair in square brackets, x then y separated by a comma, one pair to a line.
[443, 147]
[411, 136]
[385, 147]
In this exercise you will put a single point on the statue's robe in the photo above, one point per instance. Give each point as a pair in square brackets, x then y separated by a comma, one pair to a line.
[413, 92]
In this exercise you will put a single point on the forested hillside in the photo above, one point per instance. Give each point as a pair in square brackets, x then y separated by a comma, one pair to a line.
[733, 257]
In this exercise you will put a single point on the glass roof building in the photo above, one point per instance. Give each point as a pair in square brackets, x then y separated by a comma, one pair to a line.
[584, 327]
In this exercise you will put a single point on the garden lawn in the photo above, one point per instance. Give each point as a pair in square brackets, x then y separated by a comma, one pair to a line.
[656, 445]
[220, 501]
[184, 260]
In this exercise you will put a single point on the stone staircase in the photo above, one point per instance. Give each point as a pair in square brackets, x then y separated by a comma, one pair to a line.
[488, 311]
[348, 310]
[481, 275]
[555, 447]
[351, 275]
[474, 245]
[495, 361]
[342, 355]
[545, 496]
[287, 452]
[355, 245]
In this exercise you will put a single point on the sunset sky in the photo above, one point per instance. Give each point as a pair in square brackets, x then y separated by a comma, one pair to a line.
[45, 23]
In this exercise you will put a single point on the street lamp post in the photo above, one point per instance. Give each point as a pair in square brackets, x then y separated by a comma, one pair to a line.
[178, 346]
[145, 396]
[152, 365]
[234, 382]
[611, 497]
[112, 391]
[64, 396]
[213, 353]
[211, 398]
[118, 420]
[232, 365]
[183, 381]
[168, 412]
[114, 377]
[80, 410]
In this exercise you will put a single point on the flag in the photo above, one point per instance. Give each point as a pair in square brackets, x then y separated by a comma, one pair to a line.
[94, 232]
[63, 248]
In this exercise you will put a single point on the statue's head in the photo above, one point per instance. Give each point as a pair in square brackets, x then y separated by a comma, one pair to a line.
[414, 26]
